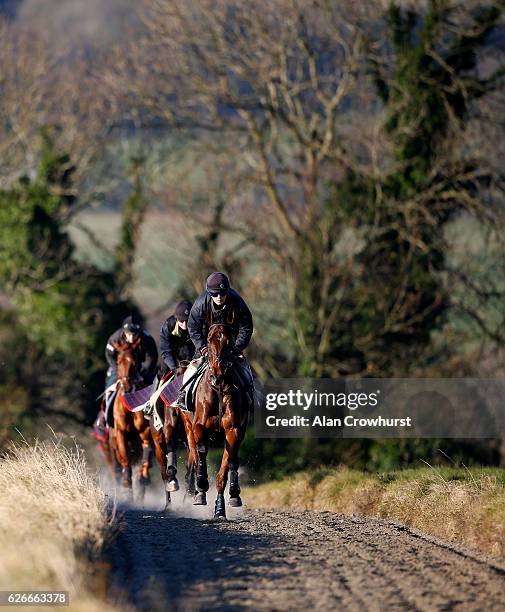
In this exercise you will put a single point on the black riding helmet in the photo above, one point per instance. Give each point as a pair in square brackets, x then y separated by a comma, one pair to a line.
[132, 324]
[182, 310]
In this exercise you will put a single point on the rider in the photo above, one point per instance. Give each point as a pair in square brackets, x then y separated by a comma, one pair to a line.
[130, 333]
[176, 347]
[221, 304]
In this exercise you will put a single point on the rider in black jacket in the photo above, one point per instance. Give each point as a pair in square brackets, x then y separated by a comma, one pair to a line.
[219, 303]
[146, 350]
[176, 346]
[147, 355]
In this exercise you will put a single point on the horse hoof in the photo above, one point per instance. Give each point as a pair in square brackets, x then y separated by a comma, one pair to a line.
[200, 499]
[167, 508]
[173, 486]
[235, 502]
[219, 513]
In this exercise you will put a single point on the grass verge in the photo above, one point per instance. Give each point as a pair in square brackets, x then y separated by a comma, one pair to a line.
[465, 506]
[53, 524]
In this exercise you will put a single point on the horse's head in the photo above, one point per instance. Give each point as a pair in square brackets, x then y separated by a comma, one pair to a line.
[126, 365]
[220, 345]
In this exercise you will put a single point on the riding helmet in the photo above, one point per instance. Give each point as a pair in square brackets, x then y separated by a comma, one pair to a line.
[132, 324]
[217, 284]
[182, 310]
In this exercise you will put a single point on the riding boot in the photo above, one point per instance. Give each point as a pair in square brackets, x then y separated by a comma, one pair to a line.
[109, 400]
[100, 422]
[100, 427]
[148, 408]
[180, 402]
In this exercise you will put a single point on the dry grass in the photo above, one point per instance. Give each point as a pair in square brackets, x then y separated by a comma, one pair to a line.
[459, 505]
[52, 523]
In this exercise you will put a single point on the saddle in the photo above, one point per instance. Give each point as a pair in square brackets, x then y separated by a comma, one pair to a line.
[244, 375]
[190, 390]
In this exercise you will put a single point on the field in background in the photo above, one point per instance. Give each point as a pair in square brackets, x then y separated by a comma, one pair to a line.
[464, 506]
[161, 252]
[168, 246]
[53, 524]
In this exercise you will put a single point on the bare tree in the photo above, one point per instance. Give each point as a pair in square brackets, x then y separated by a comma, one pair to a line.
[44, 86]
[336, 192]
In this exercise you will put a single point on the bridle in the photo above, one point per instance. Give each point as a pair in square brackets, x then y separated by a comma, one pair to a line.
[225, 362]
[128, 382]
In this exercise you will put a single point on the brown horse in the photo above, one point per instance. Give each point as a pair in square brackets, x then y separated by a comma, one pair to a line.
[220, 405]
[129, 427]
[165, 447]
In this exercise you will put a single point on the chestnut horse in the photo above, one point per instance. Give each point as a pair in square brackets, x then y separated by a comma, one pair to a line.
[220, 404]
[129, 427]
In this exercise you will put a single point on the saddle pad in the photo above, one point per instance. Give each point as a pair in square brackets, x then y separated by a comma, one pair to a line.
[171, 391]
[137, 398]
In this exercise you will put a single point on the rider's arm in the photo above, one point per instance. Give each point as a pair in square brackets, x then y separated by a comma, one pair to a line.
[196, 323]
[166, 348]
[110, 351]
[245, 327]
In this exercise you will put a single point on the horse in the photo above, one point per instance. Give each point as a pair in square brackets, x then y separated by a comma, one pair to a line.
[165, 448]
[221, 404]
[130, 427]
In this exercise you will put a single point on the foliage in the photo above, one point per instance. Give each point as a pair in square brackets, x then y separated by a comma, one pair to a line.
[65, 309]
[395, 298]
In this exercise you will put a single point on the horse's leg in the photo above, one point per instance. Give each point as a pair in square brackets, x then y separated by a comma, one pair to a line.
[116, 466]
[229, 461]
[160, 449]
[144, 430]
[235, 499]
[122, 457]
[190, 479]
[170, 431]
[202, 480]
[187, 421]
[120, 427]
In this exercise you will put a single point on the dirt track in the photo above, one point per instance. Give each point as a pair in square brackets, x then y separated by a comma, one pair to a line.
[295, 560]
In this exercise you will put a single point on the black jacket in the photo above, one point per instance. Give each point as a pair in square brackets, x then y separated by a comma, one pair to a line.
[175, 344]
[147, 352]
[235, 312]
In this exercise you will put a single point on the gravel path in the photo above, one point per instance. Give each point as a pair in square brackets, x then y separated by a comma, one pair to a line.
[277, 560]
